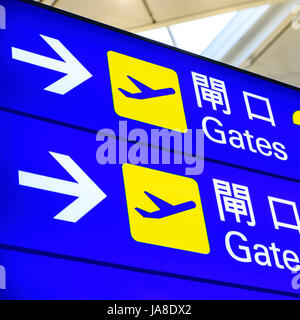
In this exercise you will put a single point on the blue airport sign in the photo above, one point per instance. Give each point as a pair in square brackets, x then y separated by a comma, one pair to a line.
[74, 71]
[35, 277]
[226, 225]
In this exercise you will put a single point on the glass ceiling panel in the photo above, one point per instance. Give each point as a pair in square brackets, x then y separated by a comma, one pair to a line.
[210, 36]
[195, 36]
[159, 34]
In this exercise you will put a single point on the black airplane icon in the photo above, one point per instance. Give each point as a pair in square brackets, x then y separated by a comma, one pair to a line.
[146, 92]
[166, 209]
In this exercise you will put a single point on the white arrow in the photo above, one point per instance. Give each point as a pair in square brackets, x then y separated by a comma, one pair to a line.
[88, 193]
[75, 72]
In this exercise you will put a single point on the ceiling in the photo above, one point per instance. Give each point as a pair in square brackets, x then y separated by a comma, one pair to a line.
[139, 15]
[270, 48]
[281, 59]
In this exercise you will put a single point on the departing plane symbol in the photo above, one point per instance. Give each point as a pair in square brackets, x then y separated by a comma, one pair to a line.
[166, 209]
[146, 92]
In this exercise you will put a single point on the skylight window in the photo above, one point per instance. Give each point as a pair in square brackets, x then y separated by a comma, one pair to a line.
[158, 34]
[195, 36]
[211, 36]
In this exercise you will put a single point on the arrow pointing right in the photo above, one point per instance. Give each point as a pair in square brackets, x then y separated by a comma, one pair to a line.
[75, 72]
[88, 193]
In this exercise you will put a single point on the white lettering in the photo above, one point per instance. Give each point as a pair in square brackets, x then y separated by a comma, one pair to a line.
[244, 140]
[262, 254]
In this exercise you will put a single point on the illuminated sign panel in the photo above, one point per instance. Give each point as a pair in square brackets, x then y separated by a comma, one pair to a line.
[62, 79]
[226, 224]
[80, 73]
[69, 279]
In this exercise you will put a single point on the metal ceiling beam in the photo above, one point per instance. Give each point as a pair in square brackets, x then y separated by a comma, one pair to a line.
[277, 19]
[198, 15]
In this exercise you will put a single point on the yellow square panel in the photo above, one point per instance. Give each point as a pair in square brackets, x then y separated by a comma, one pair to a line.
[146, 92]
[165, 209]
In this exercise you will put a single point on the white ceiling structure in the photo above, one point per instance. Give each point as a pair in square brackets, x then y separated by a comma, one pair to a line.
[139, 15]
[260, 36]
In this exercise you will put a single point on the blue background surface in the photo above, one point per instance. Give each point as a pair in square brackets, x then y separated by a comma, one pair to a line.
[90, 104]
[103, 235]
[40, 277]
[26, 214]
